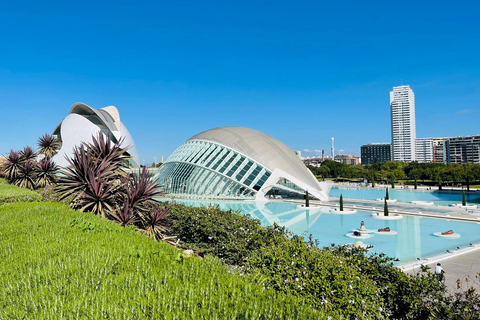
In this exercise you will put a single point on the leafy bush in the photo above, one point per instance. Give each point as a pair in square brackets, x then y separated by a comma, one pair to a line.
[322, 277]
[225, 234]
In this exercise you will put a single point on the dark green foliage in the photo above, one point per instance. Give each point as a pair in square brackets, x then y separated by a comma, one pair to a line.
[341, 202]
[387, 197]
[385, 208]
[325, 279]
[429, 173]
[464, 202]
[307, 199]
[393, 184]
[48, 145]
[225, 234]
[415, 185]
[405, 296]
[61, 264]
[373, 183]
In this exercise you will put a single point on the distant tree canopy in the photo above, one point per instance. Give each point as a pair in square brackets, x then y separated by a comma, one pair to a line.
[395, 170]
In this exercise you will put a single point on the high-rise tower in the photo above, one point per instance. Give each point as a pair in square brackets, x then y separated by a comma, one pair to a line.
[402, 108]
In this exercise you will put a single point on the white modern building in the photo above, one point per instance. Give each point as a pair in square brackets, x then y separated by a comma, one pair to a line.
[237, 163]
[424, 150]
[84, 122]
[402, 108]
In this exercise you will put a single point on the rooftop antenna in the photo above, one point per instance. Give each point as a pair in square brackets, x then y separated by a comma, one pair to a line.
[333, 148]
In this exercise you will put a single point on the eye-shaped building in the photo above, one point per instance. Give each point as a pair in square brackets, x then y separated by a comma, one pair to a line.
[237, 163]
[83, 122]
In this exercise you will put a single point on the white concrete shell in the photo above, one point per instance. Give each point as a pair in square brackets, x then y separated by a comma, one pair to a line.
[236, 148]
[83, 122]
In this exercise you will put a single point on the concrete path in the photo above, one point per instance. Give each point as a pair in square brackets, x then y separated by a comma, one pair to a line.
[462, 272]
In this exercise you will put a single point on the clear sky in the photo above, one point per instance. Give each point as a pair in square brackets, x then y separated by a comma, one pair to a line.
[301, 71]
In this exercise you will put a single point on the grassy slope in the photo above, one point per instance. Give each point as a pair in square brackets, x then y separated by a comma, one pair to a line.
[57, 263]
[10, 193]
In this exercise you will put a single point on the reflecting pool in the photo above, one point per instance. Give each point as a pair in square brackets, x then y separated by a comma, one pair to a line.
[444, 198]
[414, 239]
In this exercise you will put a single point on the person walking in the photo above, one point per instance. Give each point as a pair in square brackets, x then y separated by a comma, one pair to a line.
[440, 272]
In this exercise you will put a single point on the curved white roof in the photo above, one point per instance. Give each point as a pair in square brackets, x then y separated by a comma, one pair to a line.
[83, 122]
[262, 148]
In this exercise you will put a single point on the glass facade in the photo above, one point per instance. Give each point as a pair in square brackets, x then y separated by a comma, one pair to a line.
[207, 170]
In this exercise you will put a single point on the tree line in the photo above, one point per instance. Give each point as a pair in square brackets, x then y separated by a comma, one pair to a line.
[391, 171]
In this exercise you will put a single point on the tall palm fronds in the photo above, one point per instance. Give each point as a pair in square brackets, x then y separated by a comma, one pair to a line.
[11, 166]
[27, 155]
[26, 176]
[48, 145]
[46, 173]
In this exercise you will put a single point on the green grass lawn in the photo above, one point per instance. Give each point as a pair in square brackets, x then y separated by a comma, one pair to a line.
[60, 264]
[10, 193]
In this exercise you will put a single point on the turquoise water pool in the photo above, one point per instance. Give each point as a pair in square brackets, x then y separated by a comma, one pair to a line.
[441, 198]
[414, 239]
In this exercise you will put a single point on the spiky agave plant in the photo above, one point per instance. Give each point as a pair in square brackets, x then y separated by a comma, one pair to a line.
[152, 222]
[26, 176]
[90, 182]
[140, 191]
[27, 155]
[99, 197]
[11, 166]
[46, 171]
[48, 145]
[92, 177]
[124, 215]
[103, 148]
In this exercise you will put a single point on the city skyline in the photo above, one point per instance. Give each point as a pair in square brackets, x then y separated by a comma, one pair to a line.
[302, 73]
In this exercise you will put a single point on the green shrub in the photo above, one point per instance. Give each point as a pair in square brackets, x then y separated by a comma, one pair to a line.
[405, 296]
[322, 277]
[225, 234]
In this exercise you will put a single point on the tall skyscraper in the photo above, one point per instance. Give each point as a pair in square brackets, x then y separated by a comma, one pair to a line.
[402, 108]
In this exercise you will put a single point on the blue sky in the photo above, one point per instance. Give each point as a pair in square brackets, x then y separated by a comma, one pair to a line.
[301, 71]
